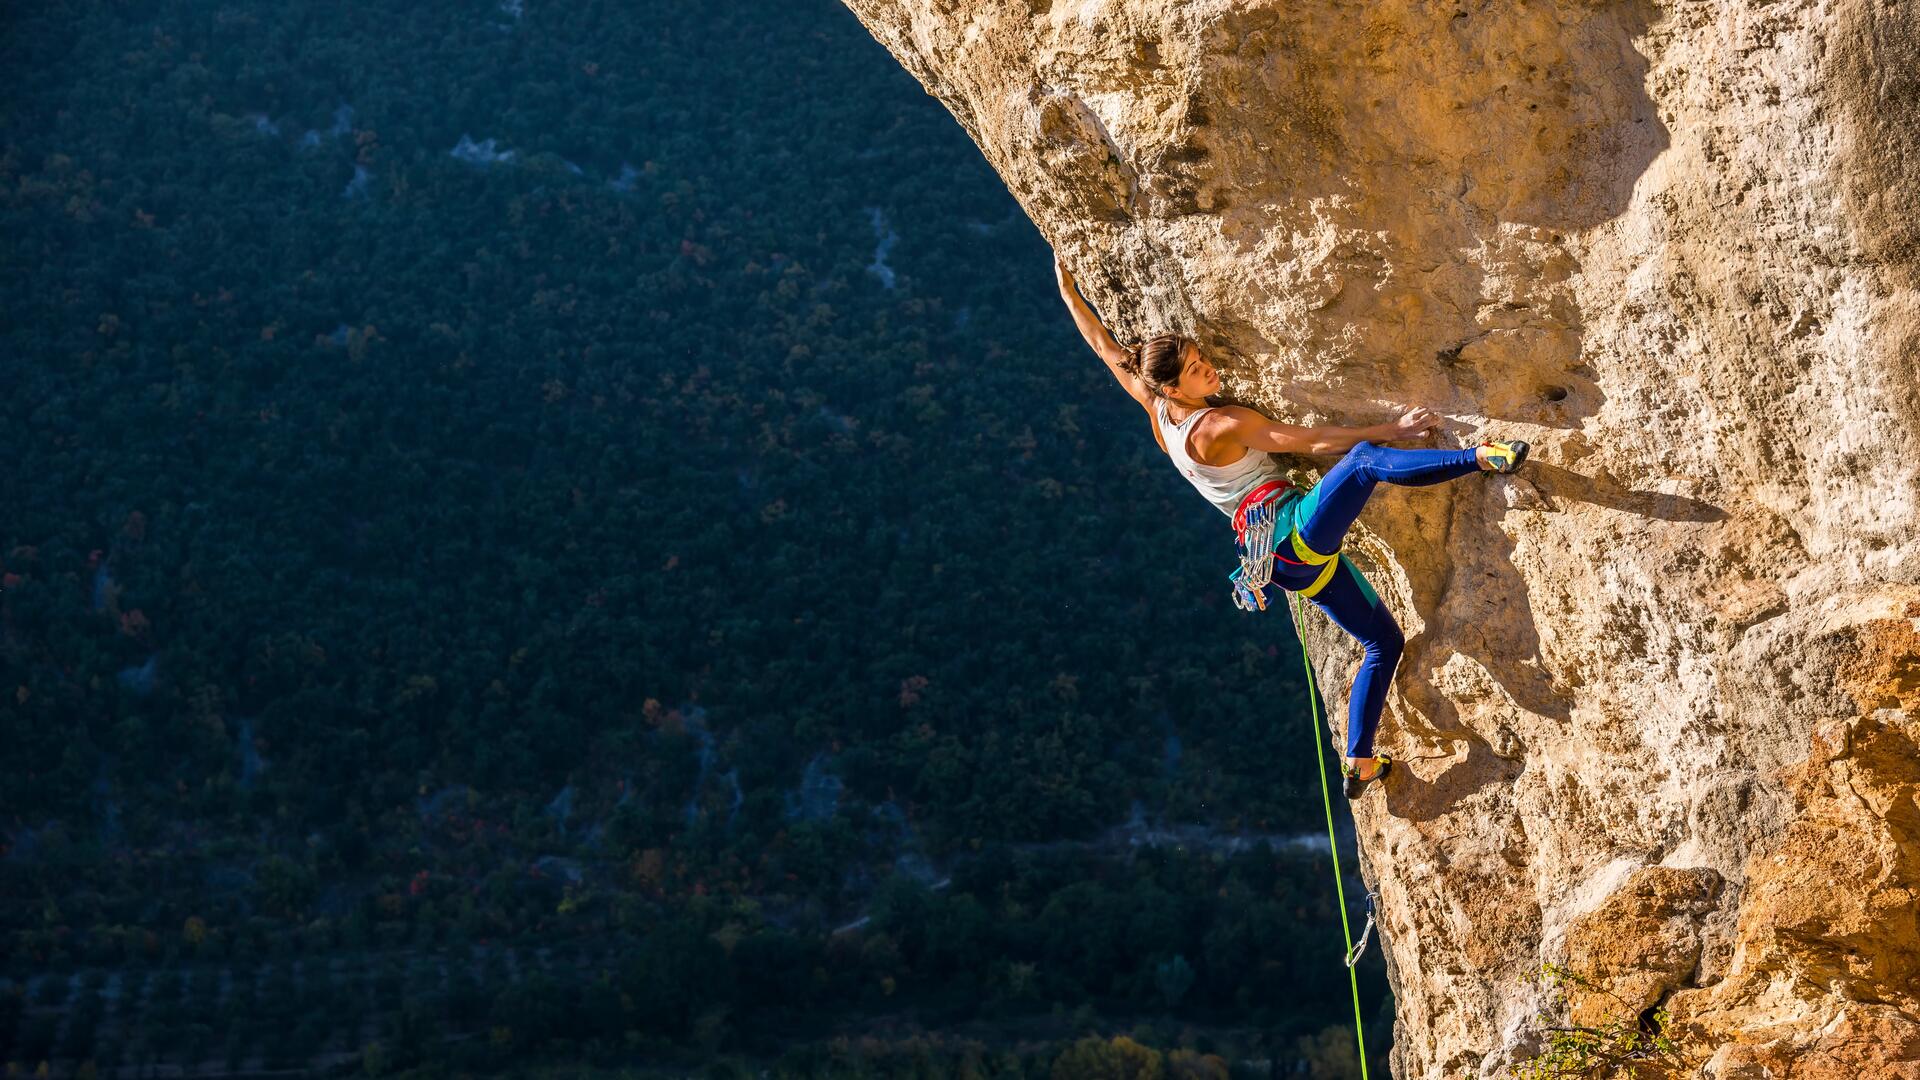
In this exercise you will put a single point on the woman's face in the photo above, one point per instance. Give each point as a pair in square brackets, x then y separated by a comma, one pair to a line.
[1198, 378]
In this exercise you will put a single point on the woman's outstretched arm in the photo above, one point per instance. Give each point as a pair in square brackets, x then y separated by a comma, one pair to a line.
[1092, 329]
[1256, 432]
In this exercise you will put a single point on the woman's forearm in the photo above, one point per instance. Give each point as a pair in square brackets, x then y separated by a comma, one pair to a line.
[1339, 440]
[1090, 327]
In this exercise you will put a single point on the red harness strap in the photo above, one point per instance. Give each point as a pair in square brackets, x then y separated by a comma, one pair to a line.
[1264, 493]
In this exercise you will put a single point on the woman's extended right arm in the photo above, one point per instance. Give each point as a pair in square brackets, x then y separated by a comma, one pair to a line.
[1095, 332]
[1255, 432]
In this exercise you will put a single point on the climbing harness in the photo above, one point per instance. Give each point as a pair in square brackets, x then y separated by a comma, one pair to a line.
[1333, 845]
[1254, 524]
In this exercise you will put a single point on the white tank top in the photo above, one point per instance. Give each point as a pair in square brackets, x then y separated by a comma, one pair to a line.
[1223, 485]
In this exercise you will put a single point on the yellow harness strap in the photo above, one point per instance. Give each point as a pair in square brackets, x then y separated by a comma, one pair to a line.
[1313, 558]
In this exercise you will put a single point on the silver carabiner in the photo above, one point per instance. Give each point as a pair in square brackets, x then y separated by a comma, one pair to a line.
[1354, 954]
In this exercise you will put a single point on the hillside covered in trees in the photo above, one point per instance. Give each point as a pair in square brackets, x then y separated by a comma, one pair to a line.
[550, 532]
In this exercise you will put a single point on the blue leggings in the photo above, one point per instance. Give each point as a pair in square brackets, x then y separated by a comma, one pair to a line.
[1321, 518]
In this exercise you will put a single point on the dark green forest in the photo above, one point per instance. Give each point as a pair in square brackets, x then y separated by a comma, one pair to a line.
[583, 532]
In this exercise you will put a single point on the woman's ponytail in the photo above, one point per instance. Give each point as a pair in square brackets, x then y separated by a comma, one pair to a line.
[1157, 361]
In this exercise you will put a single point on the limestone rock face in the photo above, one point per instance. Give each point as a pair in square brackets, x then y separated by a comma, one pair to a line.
[1659, 709]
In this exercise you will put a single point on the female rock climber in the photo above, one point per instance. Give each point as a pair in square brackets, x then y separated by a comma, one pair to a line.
[1227, 451]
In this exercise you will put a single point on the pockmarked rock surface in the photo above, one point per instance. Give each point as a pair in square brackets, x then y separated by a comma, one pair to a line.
[1657, 714]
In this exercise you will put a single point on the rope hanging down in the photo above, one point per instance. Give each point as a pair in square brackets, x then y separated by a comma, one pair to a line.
[1326, 797]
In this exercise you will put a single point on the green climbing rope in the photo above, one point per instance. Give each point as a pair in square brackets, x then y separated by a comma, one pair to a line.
[1333, 845]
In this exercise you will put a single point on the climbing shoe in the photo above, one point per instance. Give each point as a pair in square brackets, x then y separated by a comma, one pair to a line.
[1353, 785]
[1505, 457]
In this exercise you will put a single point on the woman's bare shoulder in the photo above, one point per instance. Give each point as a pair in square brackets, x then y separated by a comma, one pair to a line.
[1232, 421]
[1223, 428]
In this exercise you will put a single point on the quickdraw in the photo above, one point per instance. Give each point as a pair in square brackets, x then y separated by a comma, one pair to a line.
[1360, 947]
[1253, 525]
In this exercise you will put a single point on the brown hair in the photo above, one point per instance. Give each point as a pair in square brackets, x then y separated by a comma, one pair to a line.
[1157, 361]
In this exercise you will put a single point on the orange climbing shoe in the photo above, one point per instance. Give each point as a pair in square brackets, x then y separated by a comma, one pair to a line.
[1353, 785]
[1505, 457]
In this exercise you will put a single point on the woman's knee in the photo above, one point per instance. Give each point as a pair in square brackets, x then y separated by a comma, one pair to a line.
[1367, 458]
[1387, 642]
